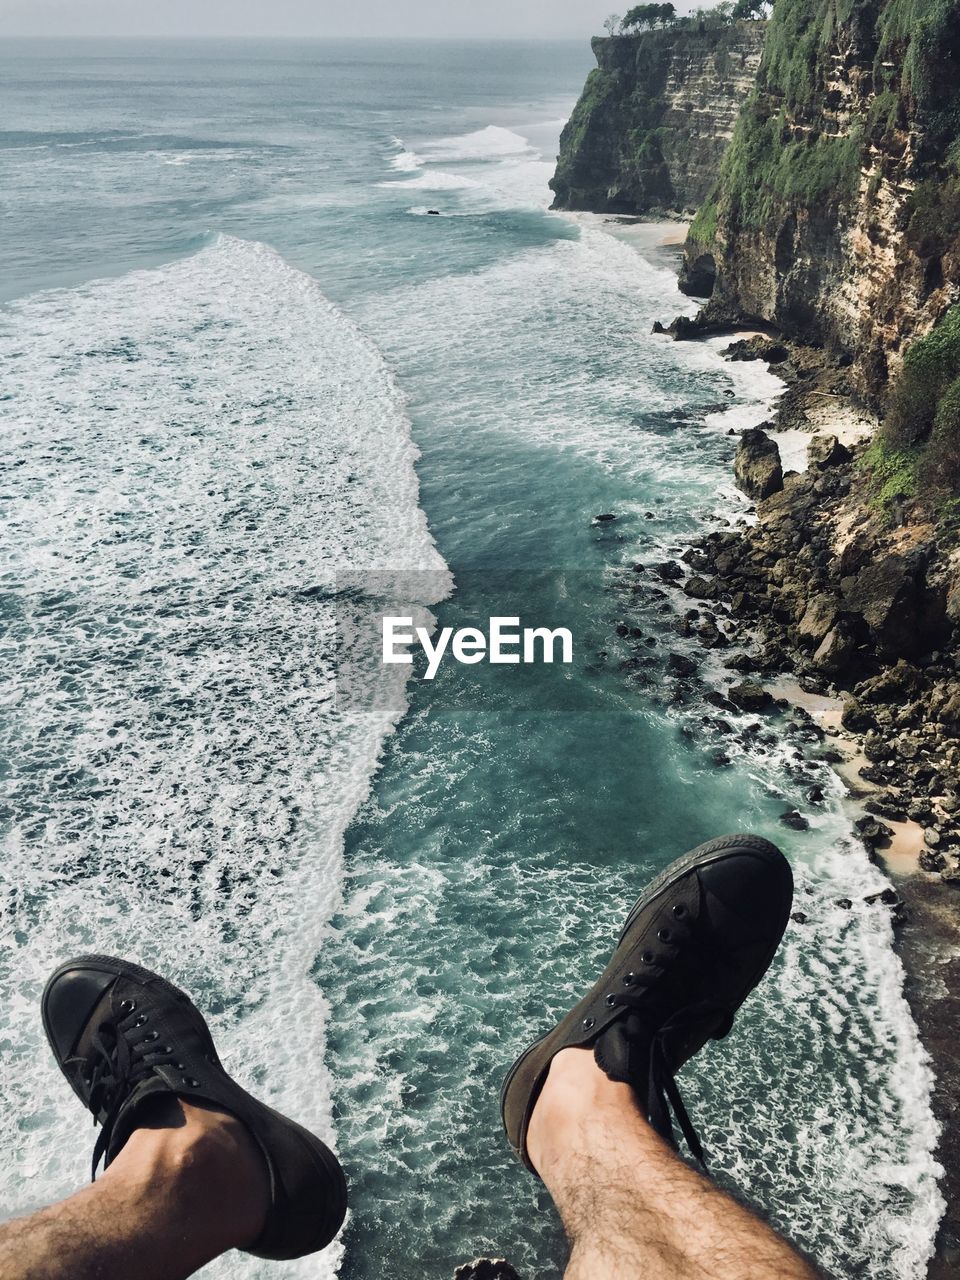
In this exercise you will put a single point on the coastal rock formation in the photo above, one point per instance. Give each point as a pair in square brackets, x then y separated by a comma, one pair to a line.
[757, 467]
[655, 118]
[836, 217]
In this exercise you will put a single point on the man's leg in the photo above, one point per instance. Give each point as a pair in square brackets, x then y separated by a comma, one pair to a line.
[632, 1209]
[187, 1186]
[194, 1165]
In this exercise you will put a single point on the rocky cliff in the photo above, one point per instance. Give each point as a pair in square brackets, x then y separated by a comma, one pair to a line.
[837, 213]
[655, 118]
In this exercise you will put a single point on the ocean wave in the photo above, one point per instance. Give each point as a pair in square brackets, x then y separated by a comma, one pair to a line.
[847, 1167]
[435, 180]
[491, 143]
[193, 455]
[405, 161]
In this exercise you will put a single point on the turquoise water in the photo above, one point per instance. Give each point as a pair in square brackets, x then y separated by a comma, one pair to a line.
[251, 325]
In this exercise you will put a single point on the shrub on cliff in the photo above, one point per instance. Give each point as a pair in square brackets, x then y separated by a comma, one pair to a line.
[922, 427]
[703, 228]
[929, 368]
[918, 51]
[893, 474]
[763, 167]
[941, 464]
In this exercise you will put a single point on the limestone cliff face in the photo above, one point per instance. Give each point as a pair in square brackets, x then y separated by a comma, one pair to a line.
[837, 213]
[655, 118]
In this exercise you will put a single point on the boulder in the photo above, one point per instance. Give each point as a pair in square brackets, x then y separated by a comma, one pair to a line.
[795, 820]
[699, 588]
[758, 348]
[856, 717]
[894, 684]
[891, 596]
[930, 861]
[873, 831]
[818, 619]
[952, 606]
[826, 451]
[681, 665]
[757, 467]
[949, 713]
[669, 571]
[710, 635]
[834, 651]
[749, 696]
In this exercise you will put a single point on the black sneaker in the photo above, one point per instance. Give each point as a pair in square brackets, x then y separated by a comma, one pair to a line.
[122, 1036]
[694, 946]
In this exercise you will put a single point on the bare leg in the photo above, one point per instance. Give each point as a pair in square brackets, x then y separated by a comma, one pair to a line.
[630, 1206]
[176, 1196]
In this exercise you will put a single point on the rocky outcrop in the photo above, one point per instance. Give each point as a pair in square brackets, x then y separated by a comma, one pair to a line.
[837, 213]
[655, 117]
[757, 466]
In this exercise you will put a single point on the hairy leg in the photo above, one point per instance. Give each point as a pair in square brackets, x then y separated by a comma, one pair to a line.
[631, 1207]
[184, 1189]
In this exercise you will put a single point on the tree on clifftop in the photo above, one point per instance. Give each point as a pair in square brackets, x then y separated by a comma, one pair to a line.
[612, 24]
[646, 16]
[751, 9]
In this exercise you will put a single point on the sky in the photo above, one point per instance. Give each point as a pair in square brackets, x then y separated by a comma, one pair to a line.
[555, 19]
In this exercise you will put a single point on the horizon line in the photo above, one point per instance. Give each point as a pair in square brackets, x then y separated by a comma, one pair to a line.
[210, 35]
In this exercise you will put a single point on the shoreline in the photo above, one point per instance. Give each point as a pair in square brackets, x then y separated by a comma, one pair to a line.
[925, 918]
[815, 402]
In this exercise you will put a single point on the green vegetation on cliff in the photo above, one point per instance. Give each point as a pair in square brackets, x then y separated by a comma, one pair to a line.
[703, 229]
[915, 46]
[651, 124]
[765, 168]
[922, 428]
[837, 209]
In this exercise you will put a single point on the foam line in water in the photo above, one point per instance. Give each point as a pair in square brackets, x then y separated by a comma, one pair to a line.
[405, 161]
[846, 1163]
[191, 456]
[491, 143]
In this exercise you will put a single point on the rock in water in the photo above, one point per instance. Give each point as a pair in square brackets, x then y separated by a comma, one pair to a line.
[795, 820]
[758, 470]
[486, 1269]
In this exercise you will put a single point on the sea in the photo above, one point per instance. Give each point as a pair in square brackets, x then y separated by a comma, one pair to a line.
[250, 389]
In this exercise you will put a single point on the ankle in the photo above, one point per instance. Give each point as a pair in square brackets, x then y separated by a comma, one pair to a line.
[200, 1155]
[576, 1100]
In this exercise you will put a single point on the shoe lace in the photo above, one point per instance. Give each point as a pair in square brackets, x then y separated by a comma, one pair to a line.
[664, 1101]
[121, 1056]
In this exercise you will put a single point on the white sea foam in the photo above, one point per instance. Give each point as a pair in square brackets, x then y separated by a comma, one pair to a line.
[405, 161]
[496, 165]
[191, 456]
[491, 143]
[435, 180]
[847, 1153]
